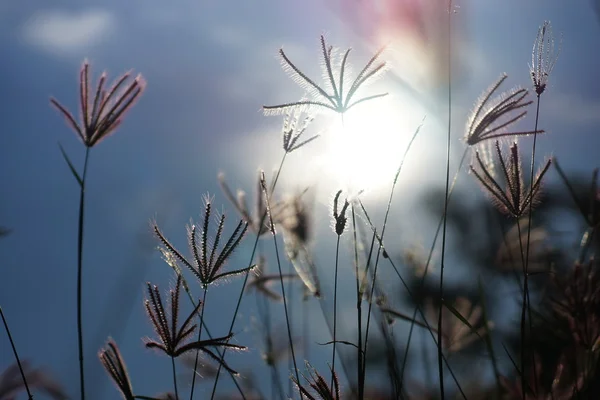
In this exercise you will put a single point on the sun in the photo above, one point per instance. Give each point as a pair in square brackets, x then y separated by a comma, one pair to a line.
[363, 149]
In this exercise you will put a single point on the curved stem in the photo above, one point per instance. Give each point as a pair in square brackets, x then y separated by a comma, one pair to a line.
[12, 343]
[285, 308]
[239, 302]
[79, 273]
[199, 337]
[379, 248]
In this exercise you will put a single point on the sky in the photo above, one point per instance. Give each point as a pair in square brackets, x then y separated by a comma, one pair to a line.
[210, 66]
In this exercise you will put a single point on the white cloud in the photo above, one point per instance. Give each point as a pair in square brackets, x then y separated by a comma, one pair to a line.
[67, 32]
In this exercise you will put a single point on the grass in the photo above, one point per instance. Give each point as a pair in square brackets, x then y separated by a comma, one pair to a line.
[551, 352]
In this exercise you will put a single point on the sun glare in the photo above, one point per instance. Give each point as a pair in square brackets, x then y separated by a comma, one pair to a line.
[365, 147]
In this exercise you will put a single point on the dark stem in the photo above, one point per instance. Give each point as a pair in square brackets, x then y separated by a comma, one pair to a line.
[210, 336]
[428, 262]
[79, 273]
[175, 377]
[361, 388]
[337, 252]
[285, 308]
[199, 337]
[239, 302]
[523, 308]
[446, 195]
[12, 343]
[380, 247]
[526, 268]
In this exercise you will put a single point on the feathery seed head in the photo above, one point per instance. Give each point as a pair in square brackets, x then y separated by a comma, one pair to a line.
[514, 199]
[239, 202]
[319, 385]
[492, 118]
[543, 57]
[339, 216]
[173, 340]
[207, 259]
[295, 124]
[113, 363]
[333, 96]
[101, 114]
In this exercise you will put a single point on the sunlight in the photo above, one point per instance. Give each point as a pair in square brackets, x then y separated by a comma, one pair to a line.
[363, 151]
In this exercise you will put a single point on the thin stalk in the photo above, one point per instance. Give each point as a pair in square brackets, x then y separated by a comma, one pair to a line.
[210, 336]
[361, 388]
[199, 337]
[291, 315]
[523, 308]
[285, 308]
[79, 273]
[14, 349]
[440, 328]
[379, 248]
[526, 277]
[337, 253]
[175, 377]
[429, 258]
[239, 302]
[264, 310]
[413, 298]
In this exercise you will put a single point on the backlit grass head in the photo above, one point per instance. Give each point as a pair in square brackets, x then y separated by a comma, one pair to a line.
[335, 72]
[102, 113]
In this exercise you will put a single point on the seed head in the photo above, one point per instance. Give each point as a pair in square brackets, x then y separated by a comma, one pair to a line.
[332, 96]
[339, 218]
[174, 340]
[113, 363]
[101, 115]
[543, 57]
[514, 199]
[295, 124]
[208, 261]
[492, 118]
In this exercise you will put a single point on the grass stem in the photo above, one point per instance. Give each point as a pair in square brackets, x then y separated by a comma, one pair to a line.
[14, 349]
[79, 273]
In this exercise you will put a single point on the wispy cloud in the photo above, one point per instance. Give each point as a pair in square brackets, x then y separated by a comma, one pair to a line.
[65, 32]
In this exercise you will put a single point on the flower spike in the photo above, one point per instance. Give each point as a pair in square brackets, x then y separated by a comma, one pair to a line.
[336, 99]
[514, 199]
[101, 115]
[207, 263]
[173, 341]
[491, 119]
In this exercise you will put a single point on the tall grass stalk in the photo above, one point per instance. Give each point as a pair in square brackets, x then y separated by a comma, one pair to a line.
[80, 272]
[526, 305]
[429, 258]
[337, 253]
[199, 337]
[446, 195]
[359, 297]
[14, 349]
[285, 308]
[175, 375]
[410, 294]
[380, 247]
[245, 282]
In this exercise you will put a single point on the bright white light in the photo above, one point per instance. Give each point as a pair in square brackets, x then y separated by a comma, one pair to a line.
[364, 148]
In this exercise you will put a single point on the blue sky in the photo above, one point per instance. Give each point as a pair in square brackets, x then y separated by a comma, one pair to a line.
[210, 66]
